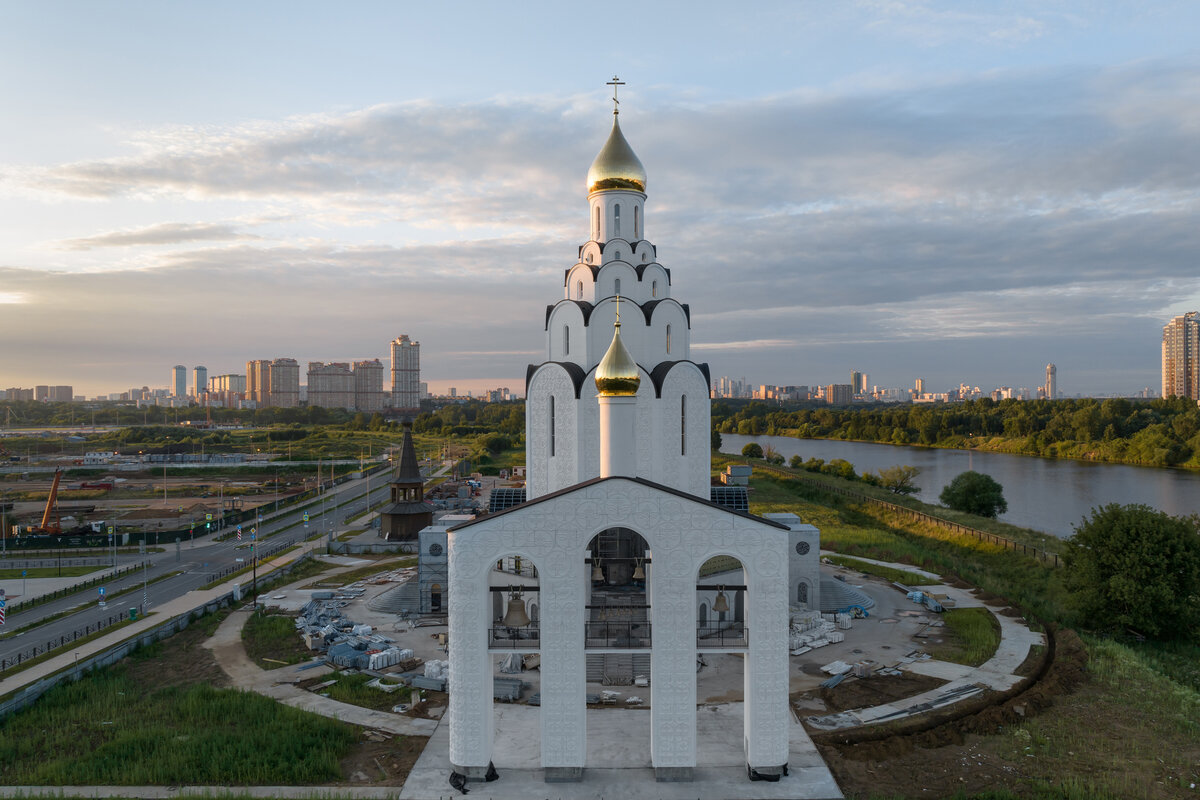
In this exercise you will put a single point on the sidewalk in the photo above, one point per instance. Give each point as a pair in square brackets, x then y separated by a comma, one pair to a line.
[67, 656]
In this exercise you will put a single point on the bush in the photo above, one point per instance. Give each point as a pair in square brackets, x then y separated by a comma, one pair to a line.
[752, 450]
[1136, 567]
[975, 493]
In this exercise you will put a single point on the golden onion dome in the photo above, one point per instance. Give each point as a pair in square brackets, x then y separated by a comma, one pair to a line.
[617, 166]
[617, 374]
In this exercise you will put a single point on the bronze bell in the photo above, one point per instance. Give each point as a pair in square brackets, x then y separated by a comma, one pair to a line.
[597, 573]
[515, 617]
[639, 574]
[720, 605]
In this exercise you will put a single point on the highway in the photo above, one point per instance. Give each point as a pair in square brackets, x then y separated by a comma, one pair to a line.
[198, 563]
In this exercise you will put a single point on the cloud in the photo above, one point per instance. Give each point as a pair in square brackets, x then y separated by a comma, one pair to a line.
[162, 234]
[1021, 216]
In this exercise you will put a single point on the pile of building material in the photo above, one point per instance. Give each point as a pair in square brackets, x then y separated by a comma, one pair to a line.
[345, 643]
[436, 677]
[811, 630]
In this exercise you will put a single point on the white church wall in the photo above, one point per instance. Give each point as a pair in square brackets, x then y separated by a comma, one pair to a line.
[580, 284]
[614, 272]
[567, 315]
[682, 535]
[548, 471]
[612, 225]
[687, 471]
[655, 283]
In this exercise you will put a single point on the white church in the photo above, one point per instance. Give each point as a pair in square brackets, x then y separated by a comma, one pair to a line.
[619, 559]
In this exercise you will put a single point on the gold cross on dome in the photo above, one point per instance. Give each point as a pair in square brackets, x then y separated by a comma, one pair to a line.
[618, 311]
[615, 82]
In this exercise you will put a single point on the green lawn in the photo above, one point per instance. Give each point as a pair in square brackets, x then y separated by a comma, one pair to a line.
[49, 572]
[975, 635]
[274, 637]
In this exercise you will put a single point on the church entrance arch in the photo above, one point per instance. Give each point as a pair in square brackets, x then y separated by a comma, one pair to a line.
[618, 622]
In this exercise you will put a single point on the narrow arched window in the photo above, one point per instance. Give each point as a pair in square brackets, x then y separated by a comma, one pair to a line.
[683, 425]
[617, 220]
[566, 340]
[637, 228]
[654, 288]
[579, 288]
[668, 338]
[551, 424]
[596, 225]
[617, 286]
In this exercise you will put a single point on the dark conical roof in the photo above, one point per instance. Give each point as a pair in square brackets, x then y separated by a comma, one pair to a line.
[409, 471]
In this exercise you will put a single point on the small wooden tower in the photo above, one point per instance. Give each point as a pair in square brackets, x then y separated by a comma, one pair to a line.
[408, 512]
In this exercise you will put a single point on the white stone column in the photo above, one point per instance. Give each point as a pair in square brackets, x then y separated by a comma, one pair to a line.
[470, 711]
[618, 437]
[673, 668]
[563, 708]
[765, 677]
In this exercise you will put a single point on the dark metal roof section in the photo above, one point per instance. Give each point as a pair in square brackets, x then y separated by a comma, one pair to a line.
[505, 497]
[663, 369]
[643, 482]
[409, 471]
[584, 306]
[574, 370]
[735, 498]
[649, 306]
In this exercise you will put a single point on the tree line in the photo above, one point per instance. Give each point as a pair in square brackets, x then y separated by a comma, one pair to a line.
[1153, 432]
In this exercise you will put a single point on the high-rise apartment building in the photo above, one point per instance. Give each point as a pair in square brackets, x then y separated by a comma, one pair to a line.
[284, 383]
[257, 382]
[368, 385]
[406, 373]
[178, 382]
[199, 381]
[1051, 387]
[330, 385]
[1181, 357]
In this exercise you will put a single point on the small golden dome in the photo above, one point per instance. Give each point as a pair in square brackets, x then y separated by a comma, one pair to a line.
[617, 374]
[617, 166]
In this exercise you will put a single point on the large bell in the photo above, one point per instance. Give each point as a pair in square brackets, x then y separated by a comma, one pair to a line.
[516, 617]
[639, 574]
[597, 573]
[720, 605]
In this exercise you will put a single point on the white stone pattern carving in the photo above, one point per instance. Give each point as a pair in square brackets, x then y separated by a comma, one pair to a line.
[682, 535]
[562, 470]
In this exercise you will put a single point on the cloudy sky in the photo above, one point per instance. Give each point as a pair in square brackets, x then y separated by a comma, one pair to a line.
[961, 191]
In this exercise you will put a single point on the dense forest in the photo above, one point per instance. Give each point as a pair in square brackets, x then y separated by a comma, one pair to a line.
[1156, 432]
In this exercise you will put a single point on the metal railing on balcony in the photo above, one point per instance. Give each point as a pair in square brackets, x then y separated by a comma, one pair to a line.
[524, 638]
[632, 635]
[726, 635]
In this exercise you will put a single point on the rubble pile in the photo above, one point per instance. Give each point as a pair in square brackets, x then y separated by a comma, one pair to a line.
[346, 644]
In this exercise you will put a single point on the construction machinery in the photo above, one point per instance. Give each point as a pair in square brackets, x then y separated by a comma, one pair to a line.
[47, 527]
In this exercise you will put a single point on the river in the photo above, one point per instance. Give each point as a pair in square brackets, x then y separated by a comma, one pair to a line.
[1046, 494]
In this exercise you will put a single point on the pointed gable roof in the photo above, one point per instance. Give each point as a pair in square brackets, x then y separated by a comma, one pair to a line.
[409, 471]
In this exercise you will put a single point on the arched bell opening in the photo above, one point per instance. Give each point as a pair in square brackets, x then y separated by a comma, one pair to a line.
[721, 605]
[514, 588]
[617, 562]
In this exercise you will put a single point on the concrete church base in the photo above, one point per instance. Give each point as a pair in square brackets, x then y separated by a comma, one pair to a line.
[563, 774]
[618, 761]
[674, 774]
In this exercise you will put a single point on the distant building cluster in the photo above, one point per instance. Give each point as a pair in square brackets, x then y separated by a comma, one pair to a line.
[1181, 357]
[41, 394]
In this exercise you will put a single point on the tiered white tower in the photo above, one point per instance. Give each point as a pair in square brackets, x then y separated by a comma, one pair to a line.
[562, 420]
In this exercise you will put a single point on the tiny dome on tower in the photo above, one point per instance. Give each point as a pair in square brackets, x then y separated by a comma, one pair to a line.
[617, 373]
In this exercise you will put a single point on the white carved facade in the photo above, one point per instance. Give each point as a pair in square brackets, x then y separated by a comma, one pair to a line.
[561, 413]
[618, 453]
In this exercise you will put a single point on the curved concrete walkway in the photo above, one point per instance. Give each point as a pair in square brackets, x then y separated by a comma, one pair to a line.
[998, 672]
[279, 684]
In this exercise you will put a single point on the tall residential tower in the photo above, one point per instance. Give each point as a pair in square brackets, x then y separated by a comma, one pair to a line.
[406, 374]
[1181, 357]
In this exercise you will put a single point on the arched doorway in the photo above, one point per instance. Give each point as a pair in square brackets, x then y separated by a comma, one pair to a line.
[618, 619]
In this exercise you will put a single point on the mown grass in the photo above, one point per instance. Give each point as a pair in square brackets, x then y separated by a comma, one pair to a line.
[48, 572]
[887, 573]
[1148, 741]
[105, 730]
[853, 528]
[353, 689]
[974, 637]
[274, 637]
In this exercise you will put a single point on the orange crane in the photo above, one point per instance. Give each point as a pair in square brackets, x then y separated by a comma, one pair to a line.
[51, 508]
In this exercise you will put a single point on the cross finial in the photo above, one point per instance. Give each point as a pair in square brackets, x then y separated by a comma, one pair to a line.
[618, 322]
[615, 82]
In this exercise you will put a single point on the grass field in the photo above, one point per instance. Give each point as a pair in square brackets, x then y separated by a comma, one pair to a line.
[274, 637]
[48, 572]
[973, 636]
[887, 573]
[109, 729]
[353, 689]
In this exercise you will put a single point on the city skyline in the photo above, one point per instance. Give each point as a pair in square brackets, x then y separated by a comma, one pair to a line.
[911, 189]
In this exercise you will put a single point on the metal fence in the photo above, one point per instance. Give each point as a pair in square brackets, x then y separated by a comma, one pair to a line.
[718, 636]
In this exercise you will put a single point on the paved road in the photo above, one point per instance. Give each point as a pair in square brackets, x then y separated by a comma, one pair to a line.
[198, 562]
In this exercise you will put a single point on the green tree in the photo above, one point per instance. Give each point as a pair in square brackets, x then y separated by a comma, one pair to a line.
[1136, 567]
[716, 440]
[796, 462]
[752, 450]
[975, 493]
[899, 479]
